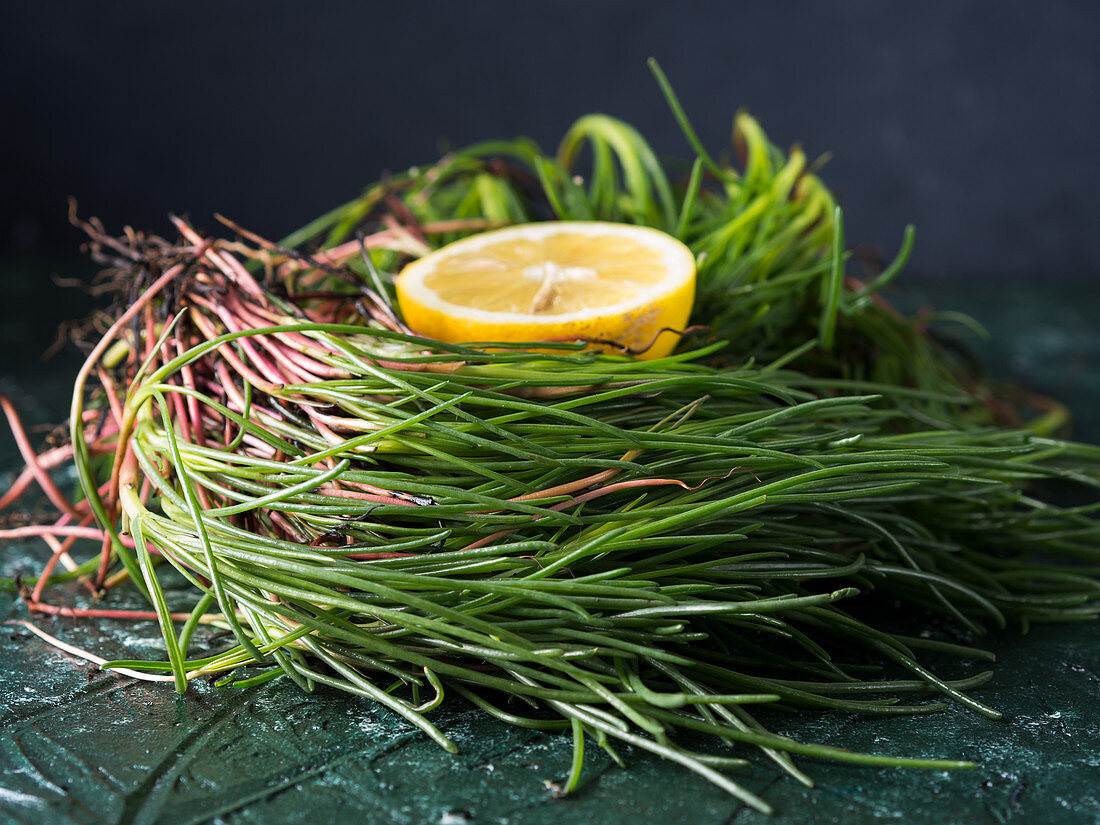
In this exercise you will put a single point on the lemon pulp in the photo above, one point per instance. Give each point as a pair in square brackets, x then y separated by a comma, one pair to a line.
[616, 286]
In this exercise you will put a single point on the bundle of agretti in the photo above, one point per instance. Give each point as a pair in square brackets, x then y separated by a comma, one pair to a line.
[568, 539]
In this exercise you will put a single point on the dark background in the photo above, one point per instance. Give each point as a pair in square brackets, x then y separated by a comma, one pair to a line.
[977, 121]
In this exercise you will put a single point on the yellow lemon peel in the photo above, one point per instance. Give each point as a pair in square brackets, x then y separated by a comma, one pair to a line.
[617, 286]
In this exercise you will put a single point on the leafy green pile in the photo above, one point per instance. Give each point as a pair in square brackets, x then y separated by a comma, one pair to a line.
[627, 549]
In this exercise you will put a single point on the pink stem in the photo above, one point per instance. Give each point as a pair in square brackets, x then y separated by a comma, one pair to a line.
[375, 556]
[60, 501]
[292, 369]
[591, 494]
[229, 265]
[101, 613]
[77, 531]
[226, 351]
[60, 552]
[376, 498]
[254, 316]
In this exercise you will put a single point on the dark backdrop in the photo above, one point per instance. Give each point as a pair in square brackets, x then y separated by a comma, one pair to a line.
[976, 121]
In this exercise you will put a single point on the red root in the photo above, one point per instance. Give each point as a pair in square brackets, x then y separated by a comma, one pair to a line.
[59, 500]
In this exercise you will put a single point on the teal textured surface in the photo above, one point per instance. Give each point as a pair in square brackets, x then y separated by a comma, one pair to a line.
[81, 746]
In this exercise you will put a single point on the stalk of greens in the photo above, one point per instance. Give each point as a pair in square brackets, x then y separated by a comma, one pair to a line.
[624, 549]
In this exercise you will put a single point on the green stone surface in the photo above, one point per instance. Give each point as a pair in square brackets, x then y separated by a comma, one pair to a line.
[78, 745]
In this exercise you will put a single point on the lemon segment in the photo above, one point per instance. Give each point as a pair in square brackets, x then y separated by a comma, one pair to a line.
[613, 285]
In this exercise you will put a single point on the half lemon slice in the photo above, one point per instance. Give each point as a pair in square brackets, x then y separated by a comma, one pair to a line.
[616, 286]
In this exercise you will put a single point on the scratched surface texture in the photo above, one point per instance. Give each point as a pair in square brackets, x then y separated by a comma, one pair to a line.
[81, 746]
